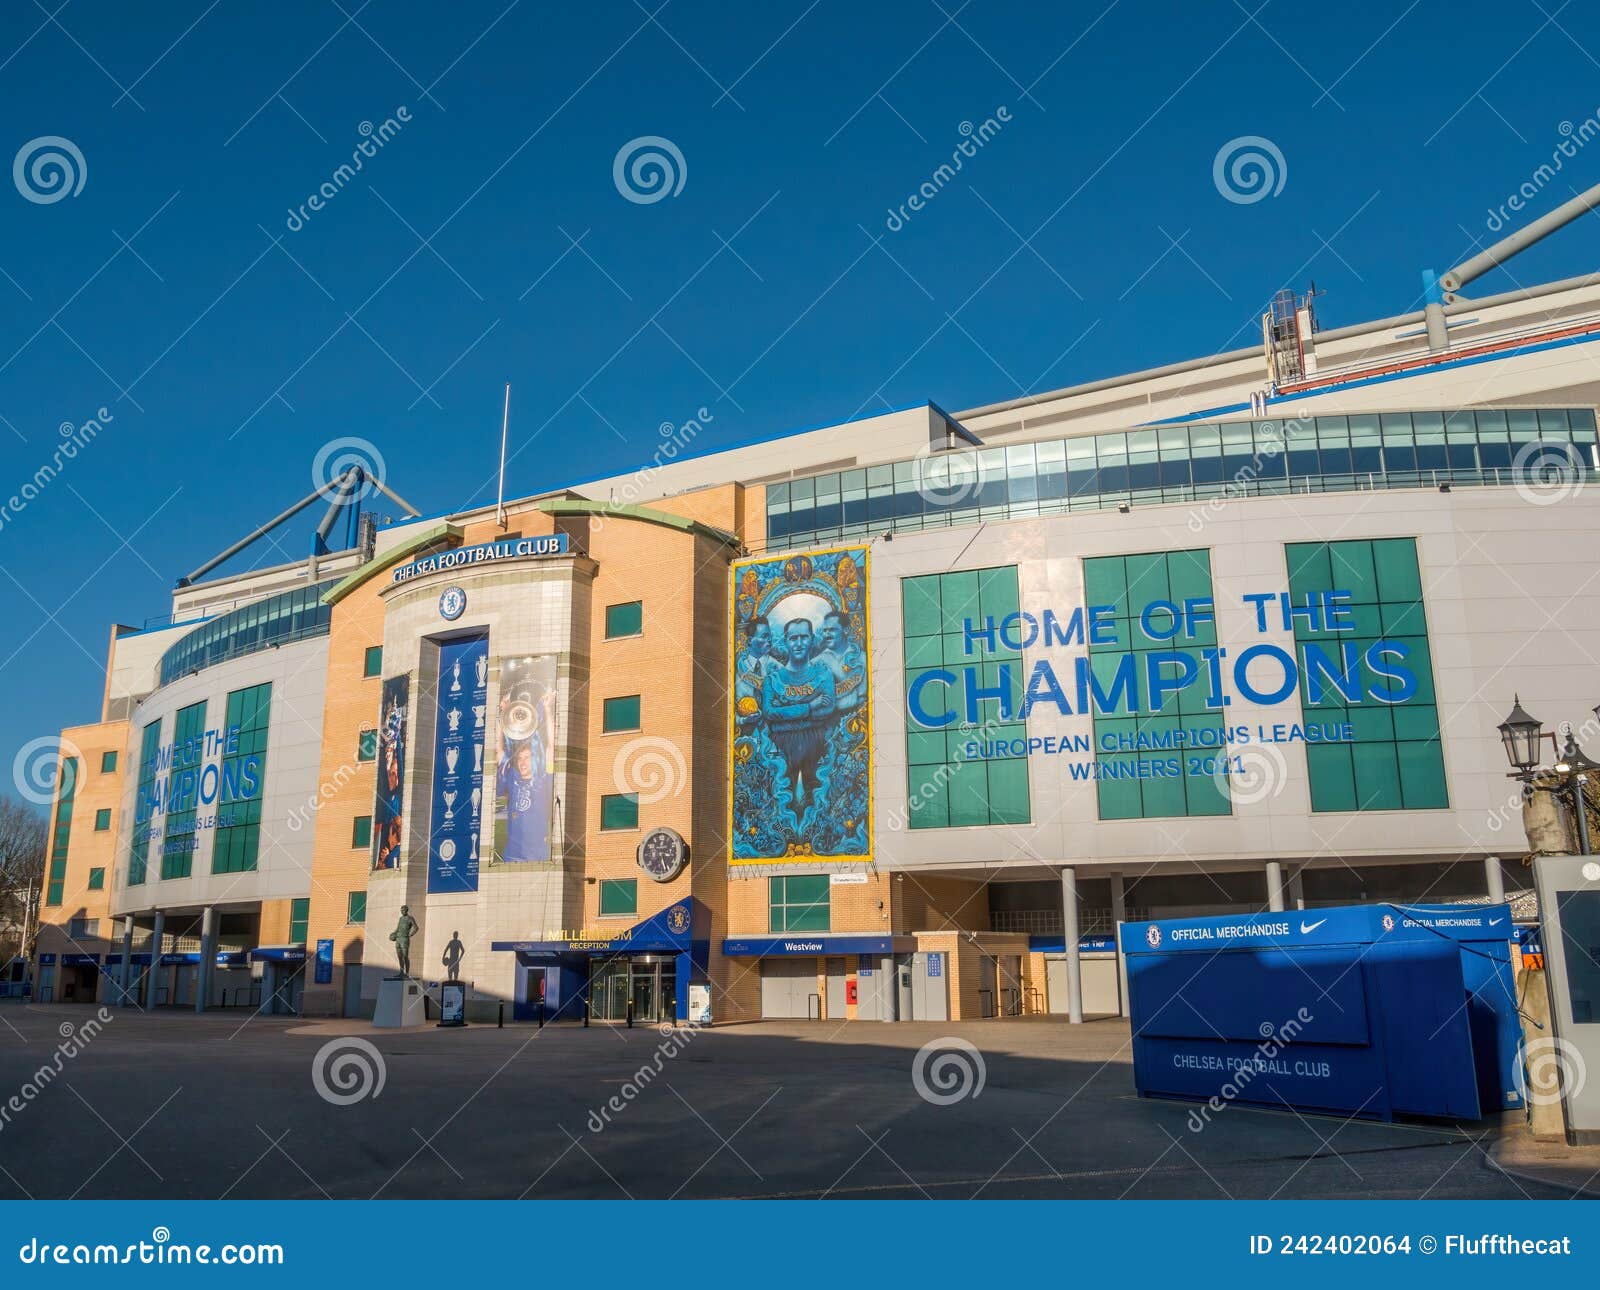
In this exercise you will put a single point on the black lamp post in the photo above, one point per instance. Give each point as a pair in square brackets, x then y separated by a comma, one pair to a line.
[1521, 735]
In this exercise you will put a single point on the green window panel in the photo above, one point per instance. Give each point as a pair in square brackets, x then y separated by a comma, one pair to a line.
[944, 787]
[102, 819]
[1396, 761]
[625, 619]
[618, 896]
[299, 919]
[356, 907]
[619, 811]
[108, 762]
[372, 663]
[1128, 583]
[61, 833]
[97, 880]
[621, 713]
[367, 746]
[361, 831]
[798, 903]
[139, 843]
[238, 841]
[178, 834]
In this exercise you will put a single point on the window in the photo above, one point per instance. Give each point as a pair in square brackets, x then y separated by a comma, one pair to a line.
[361, 831]
[947, 788]
[79, 928]
[97, 880]
[618, 896]
[139, 842]
[108, 763]
[238, 833]
[263, 624]
[1128, 584]
[367, 746]
[372, 665]
[620, 714]
[102, 819]
[356, 907]
[179, 837]
[1395, 761]
[299, 917]
[798, 904]
[619, 811]
[625, 619]
[61, 834]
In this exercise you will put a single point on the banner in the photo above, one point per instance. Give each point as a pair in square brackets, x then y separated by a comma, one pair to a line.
[387, 808]
[801, 739]
[461, 699]
[525, 760]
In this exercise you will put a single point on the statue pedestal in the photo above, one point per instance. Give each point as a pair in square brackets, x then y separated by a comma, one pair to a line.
[400, 1003]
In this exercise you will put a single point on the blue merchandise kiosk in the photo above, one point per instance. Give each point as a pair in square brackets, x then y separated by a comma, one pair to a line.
[1371, 1010]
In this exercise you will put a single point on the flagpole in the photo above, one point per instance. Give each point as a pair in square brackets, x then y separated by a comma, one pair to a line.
[505, 422]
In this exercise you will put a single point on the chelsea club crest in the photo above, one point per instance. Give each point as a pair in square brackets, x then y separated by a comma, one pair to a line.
[452, 603]
[1152, 936]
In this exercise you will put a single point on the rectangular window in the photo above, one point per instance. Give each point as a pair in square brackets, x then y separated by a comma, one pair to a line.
[946, 787]
[108, 763]
[361, 831]
[97, 880]
[243, 780]
[139, 843]
[102, 819]
[1173, 750]
[619, 811]
[1395, 761]
[79, 928]
[61, 834]
[625, 619]
[372, 664]
[179, 836]
[798, 903]
[618, 896]
[367, 746]
[620, 714]
[356, 907]
[299, 917]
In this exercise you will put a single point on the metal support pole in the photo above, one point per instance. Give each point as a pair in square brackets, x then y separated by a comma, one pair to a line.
[1069, 923]
[1581, 812]
[155, 960]
[1494, 880]
[1119, 915]
[1274, 886]
[127, 961]
[208, 958]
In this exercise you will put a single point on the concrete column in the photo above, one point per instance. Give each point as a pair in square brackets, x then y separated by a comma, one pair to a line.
[1119, 915]
[1297, 889]
[1274, 886]
[155, 961]
[1119, 900]
[1496, 883]
[1069, 924]
[208, 959]
[127, 961]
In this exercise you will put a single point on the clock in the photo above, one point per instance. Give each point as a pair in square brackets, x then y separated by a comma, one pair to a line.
[663, 853]
[452, 603]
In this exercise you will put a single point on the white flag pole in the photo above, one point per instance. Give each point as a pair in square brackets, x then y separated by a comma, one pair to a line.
[505, 422]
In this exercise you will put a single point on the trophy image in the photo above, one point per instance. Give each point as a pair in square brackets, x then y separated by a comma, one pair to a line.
[477, 715]
[451, 757]
[455, 674]
[522, 717]
[477, 759]
[477, 800]
[455, 720]
[483, 671]
[474, 854]
[449, 806]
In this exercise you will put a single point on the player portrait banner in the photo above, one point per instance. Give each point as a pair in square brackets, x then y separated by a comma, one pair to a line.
[461, 722]
[525, 760]
[388, 808]
[801, 741]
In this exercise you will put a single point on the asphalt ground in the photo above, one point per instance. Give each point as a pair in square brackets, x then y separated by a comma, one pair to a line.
[171, 1105]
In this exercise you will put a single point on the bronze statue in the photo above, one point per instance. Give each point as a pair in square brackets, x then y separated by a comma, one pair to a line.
[401, 936]
[454, 952]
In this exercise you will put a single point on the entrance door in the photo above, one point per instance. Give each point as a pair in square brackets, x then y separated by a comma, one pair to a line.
[1569, 908]
[789, 987]
[988, 1002]
[837, 972]
[608, 990]
[646, 1000]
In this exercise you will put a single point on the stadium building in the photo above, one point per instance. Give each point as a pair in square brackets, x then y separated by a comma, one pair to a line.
[894, 718]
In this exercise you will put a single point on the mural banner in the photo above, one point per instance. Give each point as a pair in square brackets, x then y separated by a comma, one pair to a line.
[525, 760]
[463, 701]
[387, 809]
[801, 738]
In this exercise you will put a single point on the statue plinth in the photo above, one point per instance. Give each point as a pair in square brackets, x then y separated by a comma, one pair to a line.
[401, 1002]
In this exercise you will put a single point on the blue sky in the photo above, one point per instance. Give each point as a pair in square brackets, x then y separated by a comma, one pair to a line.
[487, 241]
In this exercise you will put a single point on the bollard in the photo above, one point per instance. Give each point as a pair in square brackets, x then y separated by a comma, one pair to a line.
[500, 1021]
[586, 1014]
[630, 1014]
[541, 1014]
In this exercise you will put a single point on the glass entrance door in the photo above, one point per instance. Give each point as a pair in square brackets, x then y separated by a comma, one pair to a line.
[649, 981]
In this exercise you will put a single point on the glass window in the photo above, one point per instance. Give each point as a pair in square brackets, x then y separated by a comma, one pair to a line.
[626, 619]
[618, 897]
[372, 663]
[102, 819]
[139, 842]
[238, 834]
[798, 903]
[361, 831]
[179, 835]
[108, 762]
[299, 917]
[621, 713]
[97, 879]
[355, 909]
[367, 746]
[619, 811]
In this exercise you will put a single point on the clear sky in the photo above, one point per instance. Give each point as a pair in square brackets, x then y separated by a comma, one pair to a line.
[232, 331]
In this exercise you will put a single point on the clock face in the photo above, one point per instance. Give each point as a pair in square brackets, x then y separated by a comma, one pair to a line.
[662, 854]
[452, 603]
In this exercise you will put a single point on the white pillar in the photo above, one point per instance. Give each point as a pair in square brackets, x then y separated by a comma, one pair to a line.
[1496, 882]
[1119, 915]
[127, 961]
[1069, 924]
[208, 959]
[1274, 886]
[155, 961]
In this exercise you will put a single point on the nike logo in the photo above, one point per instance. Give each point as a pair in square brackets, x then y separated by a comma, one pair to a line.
[1306, 927]
[1495, 922]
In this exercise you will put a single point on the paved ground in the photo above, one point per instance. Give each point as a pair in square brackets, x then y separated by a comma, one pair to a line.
[180, 1106]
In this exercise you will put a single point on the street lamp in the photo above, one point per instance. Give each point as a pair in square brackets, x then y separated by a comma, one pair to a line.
[1521, 735]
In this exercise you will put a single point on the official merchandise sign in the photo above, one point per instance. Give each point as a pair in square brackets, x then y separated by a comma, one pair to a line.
[462, 557]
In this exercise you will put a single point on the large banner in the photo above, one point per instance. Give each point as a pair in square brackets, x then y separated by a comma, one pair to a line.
[802, 711]
[388, 809]
[525, 760]
[462, 707]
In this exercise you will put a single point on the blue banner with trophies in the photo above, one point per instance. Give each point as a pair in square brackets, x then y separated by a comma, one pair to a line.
[462, 698]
